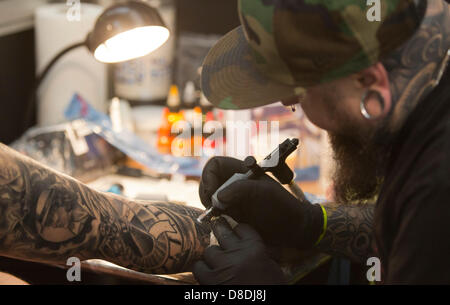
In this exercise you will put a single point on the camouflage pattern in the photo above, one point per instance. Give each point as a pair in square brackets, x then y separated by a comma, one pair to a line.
[285, 46]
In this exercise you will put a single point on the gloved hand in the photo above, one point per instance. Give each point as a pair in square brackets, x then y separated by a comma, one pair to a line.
[280, 218]
[241, 259]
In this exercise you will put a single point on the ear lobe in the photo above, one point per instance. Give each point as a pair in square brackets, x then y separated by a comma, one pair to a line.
[373, 105]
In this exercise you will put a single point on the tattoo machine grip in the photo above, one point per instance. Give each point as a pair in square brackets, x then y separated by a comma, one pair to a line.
[275, 163]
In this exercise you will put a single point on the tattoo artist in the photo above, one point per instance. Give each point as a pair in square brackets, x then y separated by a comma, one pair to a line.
[381, 90]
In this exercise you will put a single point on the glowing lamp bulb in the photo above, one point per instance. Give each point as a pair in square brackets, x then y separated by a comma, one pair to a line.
[132, 44]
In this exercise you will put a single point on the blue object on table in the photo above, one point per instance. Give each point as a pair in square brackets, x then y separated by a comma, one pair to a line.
[128, 142]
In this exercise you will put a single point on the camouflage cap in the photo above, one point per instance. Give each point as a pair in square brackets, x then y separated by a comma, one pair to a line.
[285, 46]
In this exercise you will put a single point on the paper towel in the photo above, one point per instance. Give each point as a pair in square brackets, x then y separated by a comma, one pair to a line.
[77, 71]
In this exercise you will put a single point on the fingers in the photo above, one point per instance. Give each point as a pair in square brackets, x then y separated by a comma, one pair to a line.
[225, 235]
[210, 256]
[240, 197]
[246, 232]
[205, 270]
[250, 189]
[202, 272]
[228, 238]
[216, 171]
[207, 276]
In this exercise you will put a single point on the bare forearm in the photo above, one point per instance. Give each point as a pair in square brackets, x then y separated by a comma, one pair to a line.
[48, 217]
[349, 231]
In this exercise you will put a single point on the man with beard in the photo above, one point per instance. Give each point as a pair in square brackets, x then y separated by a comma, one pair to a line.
[381, 91]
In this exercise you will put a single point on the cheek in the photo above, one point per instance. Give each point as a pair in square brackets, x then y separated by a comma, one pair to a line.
[319, 113]
[333, 112]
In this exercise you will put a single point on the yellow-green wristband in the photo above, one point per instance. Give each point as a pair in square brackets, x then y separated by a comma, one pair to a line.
[324, 225]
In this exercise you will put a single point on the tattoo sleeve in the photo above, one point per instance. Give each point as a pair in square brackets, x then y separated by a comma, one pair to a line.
[349, 231]
[48, 217]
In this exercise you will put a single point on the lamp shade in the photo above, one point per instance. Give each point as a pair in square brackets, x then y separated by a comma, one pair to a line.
[126, 31]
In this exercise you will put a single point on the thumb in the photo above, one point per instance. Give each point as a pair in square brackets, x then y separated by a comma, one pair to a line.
[247, 232]
[240, 198]
[239, 191]
[216, 171]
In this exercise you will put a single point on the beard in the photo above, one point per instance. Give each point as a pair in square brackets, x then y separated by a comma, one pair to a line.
[360, 163]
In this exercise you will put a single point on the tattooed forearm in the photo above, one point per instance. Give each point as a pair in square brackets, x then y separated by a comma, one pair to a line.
[349, 231]
[46, 216]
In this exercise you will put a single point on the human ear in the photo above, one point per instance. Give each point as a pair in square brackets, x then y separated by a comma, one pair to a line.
[376, 97]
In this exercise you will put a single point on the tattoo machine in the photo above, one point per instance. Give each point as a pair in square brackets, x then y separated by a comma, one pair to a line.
[275, 163]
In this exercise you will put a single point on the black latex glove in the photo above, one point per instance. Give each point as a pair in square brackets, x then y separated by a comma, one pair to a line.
[241, 259]
[280, 218]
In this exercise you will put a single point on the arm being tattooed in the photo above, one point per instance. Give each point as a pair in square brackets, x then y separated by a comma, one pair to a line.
[48, 217]
[349, 231]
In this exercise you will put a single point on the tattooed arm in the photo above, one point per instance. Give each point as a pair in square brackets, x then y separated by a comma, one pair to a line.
[48, 217]
[349, 231]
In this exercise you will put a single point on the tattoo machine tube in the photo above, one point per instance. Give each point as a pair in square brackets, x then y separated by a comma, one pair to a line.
[297, 191]
[275, 163]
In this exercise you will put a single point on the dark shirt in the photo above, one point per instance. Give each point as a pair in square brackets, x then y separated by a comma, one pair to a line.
[412, 216]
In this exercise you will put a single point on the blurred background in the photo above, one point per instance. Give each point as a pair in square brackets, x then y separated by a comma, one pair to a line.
[18, 47]
[44, 91]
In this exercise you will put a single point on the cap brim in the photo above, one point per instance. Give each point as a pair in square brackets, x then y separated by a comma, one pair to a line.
[231, 80]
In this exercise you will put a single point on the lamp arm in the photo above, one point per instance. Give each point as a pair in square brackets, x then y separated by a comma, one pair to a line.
[38, 80]
[47, 69]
